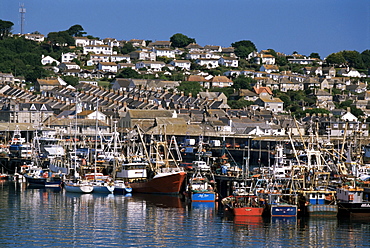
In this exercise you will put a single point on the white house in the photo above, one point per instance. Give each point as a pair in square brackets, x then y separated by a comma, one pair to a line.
[120, 57]
[164, 52]
[229, 61]
[197, 55]
[68, 57]
[111, 42]
[136, 42]
[211, 48]
[269, 68]
[268, 59]
[108, 67]
[47, 60]
[348, 116]
[142, 55]
[183, 64]
[349, 72]
[304, 61]
[96, 58]
[153, 65]
[81, 41]
[98, 49]
[69, 66]
[126, 65]
[209, 63]
[35, 37]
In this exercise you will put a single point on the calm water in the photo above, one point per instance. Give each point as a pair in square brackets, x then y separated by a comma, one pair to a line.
[54, 218]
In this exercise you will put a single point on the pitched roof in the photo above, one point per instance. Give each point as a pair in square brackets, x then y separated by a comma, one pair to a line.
[108, 63]
[221, 79]
[259, 90]
[196, 78]
[149, 114]
[270, 99]
[48, 82]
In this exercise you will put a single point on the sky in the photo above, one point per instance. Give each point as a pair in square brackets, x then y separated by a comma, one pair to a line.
[319, 26]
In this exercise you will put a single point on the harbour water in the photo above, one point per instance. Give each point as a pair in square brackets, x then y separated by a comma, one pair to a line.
[32, 217]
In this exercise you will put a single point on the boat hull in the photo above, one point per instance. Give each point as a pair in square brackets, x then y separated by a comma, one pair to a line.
[103, 189]
[35, 181]
[169, 184]
[350, 209]
[283, 210]
[248, 211]
[122, 190]
[322, 210]
[77, 188]
[203, 197]
[50, 182]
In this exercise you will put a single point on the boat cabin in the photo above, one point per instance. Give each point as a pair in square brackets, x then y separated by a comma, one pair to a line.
[352, 195]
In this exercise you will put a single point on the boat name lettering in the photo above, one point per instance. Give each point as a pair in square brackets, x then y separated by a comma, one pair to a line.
[365, 205]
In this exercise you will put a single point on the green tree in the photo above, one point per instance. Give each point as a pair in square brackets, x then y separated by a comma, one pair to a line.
[128, 73]
[314, 56]
[345, 104]
[353, 59]
[190, 87]
[181, 40]
[243, 82]
[71, 80]
[239, 104]
[61, 38]
[5, 29]
[243, 48]
[127, 48]
[357, 112]
[365, 55]
[92, 37]
[281, 60]
[22, 58]
[228, 91]
[76, 31]
[272, 52]
[335, 59]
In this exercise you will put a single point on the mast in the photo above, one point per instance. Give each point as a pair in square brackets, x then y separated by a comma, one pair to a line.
[115, 151]
[75, 139]
[96, 137]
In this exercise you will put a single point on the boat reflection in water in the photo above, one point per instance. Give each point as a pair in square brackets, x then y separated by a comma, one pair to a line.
[203, 205]
[248, 220]
[173, 201]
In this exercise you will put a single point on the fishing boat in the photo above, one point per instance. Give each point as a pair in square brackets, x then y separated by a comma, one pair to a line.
[282, 205]
[321, 203]
[164, 182]
[353, 201]
[201, 188]
[161, 175]
[244, 205]
[40, 177]
[49, 146]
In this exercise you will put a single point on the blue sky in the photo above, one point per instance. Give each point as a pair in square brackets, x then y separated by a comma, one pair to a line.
[322, 26]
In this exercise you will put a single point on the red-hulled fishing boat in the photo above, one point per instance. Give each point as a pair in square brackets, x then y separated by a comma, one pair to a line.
[244, 205]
